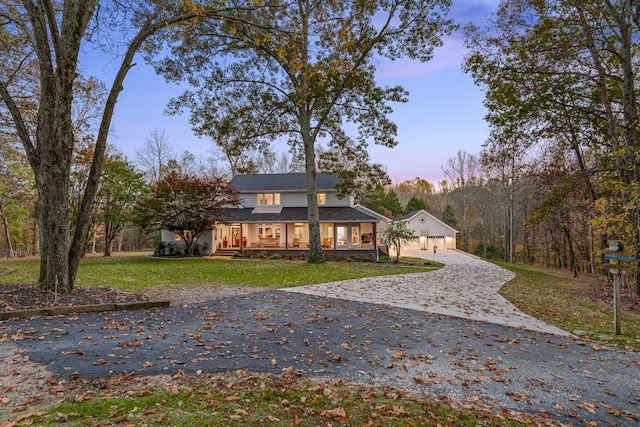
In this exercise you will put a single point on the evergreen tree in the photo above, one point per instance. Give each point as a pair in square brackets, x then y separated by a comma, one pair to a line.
[385, 202]
[449, 216]
[415, 204]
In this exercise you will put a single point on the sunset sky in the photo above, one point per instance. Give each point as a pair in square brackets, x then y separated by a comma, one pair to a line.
[445, 112]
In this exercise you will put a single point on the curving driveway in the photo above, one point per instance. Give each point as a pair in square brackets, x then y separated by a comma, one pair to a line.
[466, 287]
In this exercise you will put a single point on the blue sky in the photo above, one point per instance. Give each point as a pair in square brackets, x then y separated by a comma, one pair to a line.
[444, 113]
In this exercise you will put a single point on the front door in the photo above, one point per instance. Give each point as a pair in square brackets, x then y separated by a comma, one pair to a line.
[347, 236]
[235, 236]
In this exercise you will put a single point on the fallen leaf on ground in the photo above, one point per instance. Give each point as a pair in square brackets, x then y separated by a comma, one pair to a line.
[588, 407]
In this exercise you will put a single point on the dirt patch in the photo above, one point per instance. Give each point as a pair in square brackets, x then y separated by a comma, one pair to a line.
[24, 385]
[20, 296]
[26, 296]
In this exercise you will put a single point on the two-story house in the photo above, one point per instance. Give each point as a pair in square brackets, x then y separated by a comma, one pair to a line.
[273, 217]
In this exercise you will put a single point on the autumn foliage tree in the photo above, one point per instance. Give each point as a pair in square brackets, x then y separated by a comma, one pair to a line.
[16, 196]
[565, 74]
[121, 188]
[187, 205]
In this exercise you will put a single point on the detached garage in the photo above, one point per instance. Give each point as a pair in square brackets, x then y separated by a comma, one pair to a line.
[431, 232]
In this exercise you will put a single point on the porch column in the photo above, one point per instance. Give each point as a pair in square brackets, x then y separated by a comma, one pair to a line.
[375, 237]
[334, 239]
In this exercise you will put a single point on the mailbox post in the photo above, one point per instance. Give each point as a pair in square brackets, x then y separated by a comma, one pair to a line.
[618, 260]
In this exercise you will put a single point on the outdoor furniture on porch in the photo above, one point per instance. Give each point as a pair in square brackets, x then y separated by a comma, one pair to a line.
[269, 242]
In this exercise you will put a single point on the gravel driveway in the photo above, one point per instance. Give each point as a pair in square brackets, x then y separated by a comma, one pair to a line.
[466, 287]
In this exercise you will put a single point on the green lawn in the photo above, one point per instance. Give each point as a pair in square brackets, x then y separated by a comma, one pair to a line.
[557, 298]
[134, 273]
[243, 398]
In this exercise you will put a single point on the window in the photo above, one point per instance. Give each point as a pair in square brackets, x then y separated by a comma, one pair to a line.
[341, 235]
[327, 232]
[322, 199]
[269, 199]
[347, 236]
[355, 235]
[269, 230]
[186, 233]
[299, 231]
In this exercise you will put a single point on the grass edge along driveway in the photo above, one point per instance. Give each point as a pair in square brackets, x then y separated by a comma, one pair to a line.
[135, 272]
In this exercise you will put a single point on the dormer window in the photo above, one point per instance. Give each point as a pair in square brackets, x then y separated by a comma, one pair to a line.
[322, 199]
[269, 199]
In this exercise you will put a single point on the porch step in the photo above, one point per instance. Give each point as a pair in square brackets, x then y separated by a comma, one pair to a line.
[225, 253]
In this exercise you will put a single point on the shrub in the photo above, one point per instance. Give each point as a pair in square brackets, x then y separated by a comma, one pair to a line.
[160, 249]
[492, 251]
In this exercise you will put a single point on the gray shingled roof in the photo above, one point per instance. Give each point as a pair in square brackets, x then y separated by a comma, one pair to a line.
[341, 214]
[282, 182]
[411, 214]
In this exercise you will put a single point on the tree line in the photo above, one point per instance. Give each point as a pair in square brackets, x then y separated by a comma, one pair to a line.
[561, 85]
[497, 216]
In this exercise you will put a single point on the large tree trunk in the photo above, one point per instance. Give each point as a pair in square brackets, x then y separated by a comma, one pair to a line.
[313, 212]
[54, 232]
[52, 180]
[55, 147]
[56, 45]
[36, 236]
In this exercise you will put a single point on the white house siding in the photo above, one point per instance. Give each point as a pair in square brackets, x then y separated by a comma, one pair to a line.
[294, 200]
[431, 233]
[299, 199]
[333, 200]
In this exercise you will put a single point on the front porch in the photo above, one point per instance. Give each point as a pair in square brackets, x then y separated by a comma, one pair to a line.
[293, 236]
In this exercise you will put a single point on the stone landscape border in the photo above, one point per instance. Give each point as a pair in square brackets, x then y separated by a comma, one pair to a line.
[77, 309]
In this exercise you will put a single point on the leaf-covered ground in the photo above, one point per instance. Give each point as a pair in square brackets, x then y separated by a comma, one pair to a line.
[25, 296]
[324, 339]
[26, 388]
